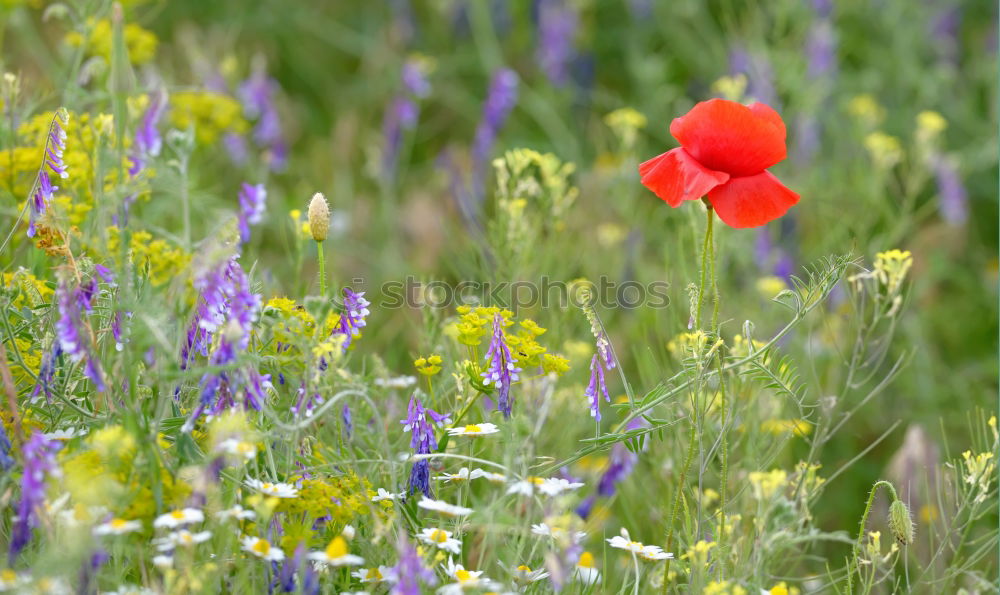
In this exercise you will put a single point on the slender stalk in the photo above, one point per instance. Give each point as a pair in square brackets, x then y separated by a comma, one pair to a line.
[852, 565]
[322, 268]
[707, 252]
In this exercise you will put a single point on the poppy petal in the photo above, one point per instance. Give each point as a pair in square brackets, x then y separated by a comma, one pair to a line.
[675, 177]
[731, 137]
[752, 201]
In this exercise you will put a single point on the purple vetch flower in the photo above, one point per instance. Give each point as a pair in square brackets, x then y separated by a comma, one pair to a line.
[620, 465]
[236, 147]
[944, 29]
[292, 567]
[345, 416]
[252, 199]
[596, 387]
[306, 405]
[557, 26]
[420, 422]
[6, 461]
[821, 50]
[499, 102]
[56, 144]
[257, 95]
[71, 332]
[501, 371]
[147, 142]
[403, 111]
[226, 298]
[47, 373]
[410, 571]
[39, 464]
[760, 78]
[43, 193]
[352, 320]
[953, 200]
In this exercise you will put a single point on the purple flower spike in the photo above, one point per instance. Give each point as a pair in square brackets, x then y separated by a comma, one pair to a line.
[557, 25]
[597, 387]
[39, 463]
[501, 371]
[252, 199]
[410, 571]
[353, 318]
[499, 102]
[420, 422]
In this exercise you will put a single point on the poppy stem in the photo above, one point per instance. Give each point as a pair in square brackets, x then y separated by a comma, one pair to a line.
[707, 247]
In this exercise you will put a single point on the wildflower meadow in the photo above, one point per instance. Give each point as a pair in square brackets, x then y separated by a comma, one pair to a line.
[487, 296]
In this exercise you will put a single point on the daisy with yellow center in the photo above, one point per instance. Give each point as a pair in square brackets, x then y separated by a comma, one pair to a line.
[440, 539]
[178, 518]
[236, 512]
[474, 430]
[443, 507]
[375, 574]
[237, 448]
[336, 554]
[524, 575]
[117, 527]
[586, 571]
[277, 490]
[262, 548]
[182, 538]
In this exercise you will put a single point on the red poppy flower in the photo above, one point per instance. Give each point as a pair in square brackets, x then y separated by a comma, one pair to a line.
[726, 148]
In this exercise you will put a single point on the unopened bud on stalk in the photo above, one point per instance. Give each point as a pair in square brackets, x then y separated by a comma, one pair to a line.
[900, 522]
[319, 217]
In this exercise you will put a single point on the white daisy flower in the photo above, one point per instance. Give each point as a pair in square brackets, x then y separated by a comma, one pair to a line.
[348, 532]
[557, 533]
[655, 553]
[474, 430]
[443, 507]
[51, 586]
[488, 476]
[163, 562]
[525, 487]
[236, 512]
[625, 544]
[117, 527]
[262, 549]
[10, 579]
[66, 433]
[585, 570]
[379, 574]
[465, 579]
[383, 494]
[462, 475]
[182, 538]
[278, 490]
[179, 518]
[524, 575]
[396, 382]
[336, 554]
[237, 448]
[554, 486]
[440, 539]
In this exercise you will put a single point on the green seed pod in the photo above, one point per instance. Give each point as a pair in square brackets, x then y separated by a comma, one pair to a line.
[319, 217]
[900, 522]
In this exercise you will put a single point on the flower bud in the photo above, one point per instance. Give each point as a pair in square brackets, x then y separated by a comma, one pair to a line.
[900, 523]
[319, 217]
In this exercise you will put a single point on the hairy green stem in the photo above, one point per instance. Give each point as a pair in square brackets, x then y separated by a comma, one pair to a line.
[852, 565]
[322, 268]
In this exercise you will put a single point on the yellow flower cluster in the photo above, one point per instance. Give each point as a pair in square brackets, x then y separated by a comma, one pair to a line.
[27, 291]
[140, 43]
[723, 588]
[766, 484]
[295, 323]
[211, 114]
[866, 109]
[891, 267]
[799, 427]
[84, 133]
[342, 498]
[686, 345]
[476, 323]
[101, 472]
[979, 471]
[428, 366]
[884, 149]
[731, 87]
[536, 178]
[165, 261]
[626, 123]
